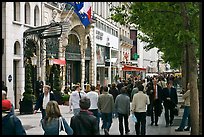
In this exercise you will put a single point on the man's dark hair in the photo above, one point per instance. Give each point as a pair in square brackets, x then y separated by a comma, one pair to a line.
[123, 89]
[105, 89]
[84, 103]
[140, 87]
[93, 88]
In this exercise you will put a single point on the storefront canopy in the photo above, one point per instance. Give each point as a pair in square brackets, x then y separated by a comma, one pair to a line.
[59, 61]
[132, 68]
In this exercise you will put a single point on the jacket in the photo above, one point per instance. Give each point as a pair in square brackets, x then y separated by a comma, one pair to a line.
[122, 104]
[11, 125]
[39, 103]
[84, 123]
[106, 103]
[173, 96]
[52, 128]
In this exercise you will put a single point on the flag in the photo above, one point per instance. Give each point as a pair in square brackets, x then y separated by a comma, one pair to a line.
[83, 10]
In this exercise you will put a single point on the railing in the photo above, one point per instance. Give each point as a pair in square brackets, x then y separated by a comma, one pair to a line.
[126, 39]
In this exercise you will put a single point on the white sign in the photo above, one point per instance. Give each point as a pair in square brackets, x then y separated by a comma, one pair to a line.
[106, 39]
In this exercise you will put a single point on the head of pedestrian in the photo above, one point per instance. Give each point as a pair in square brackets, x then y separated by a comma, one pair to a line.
[77, 87]
[84, 103]
[169, 84]
[3, 94]
[6, 105]
[52, 110]
[46, 89]
[93, 88]
[104, 89]
[140, 87]
[155, 81]
[123, 90]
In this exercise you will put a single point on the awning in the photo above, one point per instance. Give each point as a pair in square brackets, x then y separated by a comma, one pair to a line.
[132, 68]
[61, 61]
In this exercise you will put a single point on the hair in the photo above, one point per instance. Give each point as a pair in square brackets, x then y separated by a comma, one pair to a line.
[76, 86]
[84, 103]
[105, 89]
[140, 87]
[123, 89]
[52, 111]
[47, 86]
[93, 88]
[88, 88]
[113, 85]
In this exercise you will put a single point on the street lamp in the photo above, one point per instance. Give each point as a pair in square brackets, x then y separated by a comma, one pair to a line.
[34, 60]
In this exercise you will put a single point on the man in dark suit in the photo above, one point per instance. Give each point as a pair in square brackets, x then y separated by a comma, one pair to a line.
[42, 101]
[170, 99]
[155, 95]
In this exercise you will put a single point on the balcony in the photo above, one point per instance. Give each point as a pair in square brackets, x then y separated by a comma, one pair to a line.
[126, 40]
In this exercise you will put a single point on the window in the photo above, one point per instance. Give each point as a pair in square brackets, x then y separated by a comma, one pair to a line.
[17, 48]
[27, 13]
[16, 11]
[36, 16]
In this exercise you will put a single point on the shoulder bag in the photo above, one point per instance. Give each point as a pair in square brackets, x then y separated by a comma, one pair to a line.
[61, 127]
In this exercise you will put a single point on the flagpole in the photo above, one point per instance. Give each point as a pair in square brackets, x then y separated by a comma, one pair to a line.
[65, 19]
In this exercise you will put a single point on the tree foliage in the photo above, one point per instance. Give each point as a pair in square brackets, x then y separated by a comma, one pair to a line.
[163, 25]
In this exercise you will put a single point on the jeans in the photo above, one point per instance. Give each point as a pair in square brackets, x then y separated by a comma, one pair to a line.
[120, 118]
[140, 126]
[186, 115]
[43, 113]
[107, 120]
[96, 114]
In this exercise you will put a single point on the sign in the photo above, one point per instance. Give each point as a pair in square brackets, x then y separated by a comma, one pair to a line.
[9, 78]
[135, 56]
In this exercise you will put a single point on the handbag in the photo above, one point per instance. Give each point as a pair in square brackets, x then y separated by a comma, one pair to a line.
[133, 117]
[61, 129]
[176, 111]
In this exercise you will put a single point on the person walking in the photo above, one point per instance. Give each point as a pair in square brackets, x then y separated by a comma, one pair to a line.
[114, 92]
[123, 110]
[106, 108]
[155, 96]
[84, 123]
[74, 99]
[93, 96]
[11, 125]
[170, 101]
[51, 122]
[4, 96]
[139, 103]
[186, 113]
[43, 99]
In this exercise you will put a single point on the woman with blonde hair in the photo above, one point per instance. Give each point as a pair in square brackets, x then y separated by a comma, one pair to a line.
[50, 123]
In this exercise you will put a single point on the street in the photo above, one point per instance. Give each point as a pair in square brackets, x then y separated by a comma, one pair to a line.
[32, 124]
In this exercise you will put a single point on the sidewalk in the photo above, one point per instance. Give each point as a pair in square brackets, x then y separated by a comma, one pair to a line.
[32, 124]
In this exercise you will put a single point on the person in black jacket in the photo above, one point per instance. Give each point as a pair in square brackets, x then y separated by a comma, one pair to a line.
[170, 99]
[43, 99]
[155, 95]
[84, 123]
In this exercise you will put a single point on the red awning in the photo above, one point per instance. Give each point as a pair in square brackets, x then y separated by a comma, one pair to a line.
[132, 68]
[59, 61]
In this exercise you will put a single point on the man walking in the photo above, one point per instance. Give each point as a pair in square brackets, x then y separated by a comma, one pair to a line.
[122, 107]
[170, 102]
[106, 107]
[155, 96]
[139, 103]
[74, 99]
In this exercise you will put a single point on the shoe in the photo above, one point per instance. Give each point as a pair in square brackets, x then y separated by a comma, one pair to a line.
[152, 123]
[178, 129]
[106, 132]
[167, 125]
[156, 124]
[126, 132]
[187, 129]
[171, 124]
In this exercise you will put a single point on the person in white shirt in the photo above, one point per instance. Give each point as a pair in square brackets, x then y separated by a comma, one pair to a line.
[139, 104]
[74, 99]
[93, 96]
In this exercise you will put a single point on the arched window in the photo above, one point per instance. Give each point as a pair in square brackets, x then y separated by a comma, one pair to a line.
[27, 13]
[16, 48]
[16, 11]
[36, 16]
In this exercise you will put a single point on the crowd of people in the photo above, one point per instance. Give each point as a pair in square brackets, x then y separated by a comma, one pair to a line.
[149, 97]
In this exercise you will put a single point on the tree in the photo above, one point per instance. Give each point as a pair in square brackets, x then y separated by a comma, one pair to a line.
[173, 28]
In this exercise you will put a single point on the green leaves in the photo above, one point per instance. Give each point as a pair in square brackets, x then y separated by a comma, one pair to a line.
[163, 25]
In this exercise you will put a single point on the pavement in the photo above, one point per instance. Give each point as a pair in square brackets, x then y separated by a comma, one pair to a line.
[31, 123]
